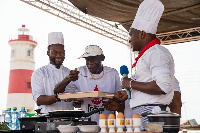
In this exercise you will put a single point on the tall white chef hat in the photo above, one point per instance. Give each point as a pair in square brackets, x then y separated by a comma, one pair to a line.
[55, 38]
[148, 16]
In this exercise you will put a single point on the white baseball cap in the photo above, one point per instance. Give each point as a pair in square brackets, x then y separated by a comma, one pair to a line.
[92, 50]
[148, 16]
[55, 38]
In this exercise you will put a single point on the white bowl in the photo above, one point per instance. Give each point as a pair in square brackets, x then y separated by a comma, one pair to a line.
[89, 128]
[67, 129]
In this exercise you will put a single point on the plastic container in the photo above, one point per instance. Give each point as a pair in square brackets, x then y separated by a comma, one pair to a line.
[22, 113]
[15, 121]
[7, 117]
[2, 117]
[30, 114]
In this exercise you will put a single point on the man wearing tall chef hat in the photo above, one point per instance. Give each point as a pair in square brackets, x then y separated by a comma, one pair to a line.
[53, 78]
[153, 82]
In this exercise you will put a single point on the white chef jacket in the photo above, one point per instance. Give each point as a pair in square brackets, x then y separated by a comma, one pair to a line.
[110, 82]
[156, 64]
[43, 82]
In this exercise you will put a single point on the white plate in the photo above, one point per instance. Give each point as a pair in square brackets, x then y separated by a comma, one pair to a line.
[89, 128]
[67, 129]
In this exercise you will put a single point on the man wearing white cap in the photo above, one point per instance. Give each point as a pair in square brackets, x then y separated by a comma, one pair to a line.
[53, 78]
[153, 82]
[96, 77]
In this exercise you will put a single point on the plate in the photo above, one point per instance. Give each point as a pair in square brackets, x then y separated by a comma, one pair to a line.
[67, 129]
[89, 128]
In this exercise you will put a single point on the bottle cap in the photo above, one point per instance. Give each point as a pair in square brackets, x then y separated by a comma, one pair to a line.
[15, 108]
[22, 107]
[8, 108]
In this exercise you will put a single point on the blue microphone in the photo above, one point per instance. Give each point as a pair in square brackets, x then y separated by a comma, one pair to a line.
[124, 72]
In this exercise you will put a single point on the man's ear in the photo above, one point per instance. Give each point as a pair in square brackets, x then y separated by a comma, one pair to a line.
[102, 57]
[48, 53]
[142, 34]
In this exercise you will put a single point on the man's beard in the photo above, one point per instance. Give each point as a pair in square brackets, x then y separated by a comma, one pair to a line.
[52, 61]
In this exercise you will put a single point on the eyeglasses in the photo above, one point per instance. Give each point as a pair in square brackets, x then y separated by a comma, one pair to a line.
[54, 52]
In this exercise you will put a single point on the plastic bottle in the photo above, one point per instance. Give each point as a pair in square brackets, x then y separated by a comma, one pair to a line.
[22, 113]
[15, 121]
[7, 117]
[2, 117]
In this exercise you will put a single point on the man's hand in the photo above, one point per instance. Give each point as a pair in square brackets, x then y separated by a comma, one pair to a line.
[125, 82]
[111, 105]
[77, 103]
[120, 96]
[60, 87]
[73, 75]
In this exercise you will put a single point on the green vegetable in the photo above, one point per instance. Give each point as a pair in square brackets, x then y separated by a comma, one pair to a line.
[3, 126]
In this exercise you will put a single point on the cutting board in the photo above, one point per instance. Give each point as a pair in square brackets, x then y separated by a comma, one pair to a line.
[91, 94]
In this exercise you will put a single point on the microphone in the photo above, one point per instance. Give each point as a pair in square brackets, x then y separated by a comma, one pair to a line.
[124, 72]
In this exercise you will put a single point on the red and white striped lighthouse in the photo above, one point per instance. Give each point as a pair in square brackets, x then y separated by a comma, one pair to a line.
[22, 65]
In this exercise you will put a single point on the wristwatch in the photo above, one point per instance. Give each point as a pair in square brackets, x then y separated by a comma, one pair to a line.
[57, 99]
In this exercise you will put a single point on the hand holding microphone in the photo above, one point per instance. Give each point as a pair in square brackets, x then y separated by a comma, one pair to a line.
[125, 82]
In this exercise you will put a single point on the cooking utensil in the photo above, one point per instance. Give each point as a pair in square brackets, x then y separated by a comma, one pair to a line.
[72, 113]
[171, 120]
[28, 123]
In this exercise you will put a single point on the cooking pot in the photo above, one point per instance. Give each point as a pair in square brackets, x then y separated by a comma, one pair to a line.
[28, 123]
[171, 120]
[72, 113]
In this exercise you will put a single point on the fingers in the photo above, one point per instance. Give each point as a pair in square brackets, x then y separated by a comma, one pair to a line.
[73, 75]
[110, 105]
[125, 82]
[78, 101]
[120, 96]
[74, 100]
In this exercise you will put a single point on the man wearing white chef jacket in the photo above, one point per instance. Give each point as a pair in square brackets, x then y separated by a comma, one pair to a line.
[96, 77]
[53, 78]
[174, 106]
[153, 82]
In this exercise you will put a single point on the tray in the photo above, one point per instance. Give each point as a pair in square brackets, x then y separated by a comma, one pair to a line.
[90, 94]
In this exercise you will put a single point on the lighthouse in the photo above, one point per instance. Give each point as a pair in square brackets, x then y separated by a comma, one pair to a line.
[22, 65]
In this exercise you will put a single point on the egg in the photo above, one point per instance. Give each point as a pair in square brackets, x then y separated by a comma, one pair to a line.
[120, 115]
[136, 116]
[102, 116]
[111, 116]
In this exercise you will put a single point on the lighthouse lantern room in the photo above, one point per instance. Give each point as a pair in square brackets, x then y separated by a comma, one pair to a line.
[22, 65]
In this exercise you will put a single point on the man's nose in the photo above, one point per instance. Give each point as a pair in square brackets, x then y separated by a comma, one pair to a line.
[58, 54]
[91, 61]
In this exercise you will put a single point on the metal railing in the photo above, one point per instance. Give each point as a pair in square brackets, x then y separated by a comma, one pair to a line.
[65, 10]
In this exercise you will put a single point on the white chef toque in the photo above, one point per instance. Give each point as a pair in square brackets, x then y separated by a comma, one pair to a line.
[55, 38]
[148, 16]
